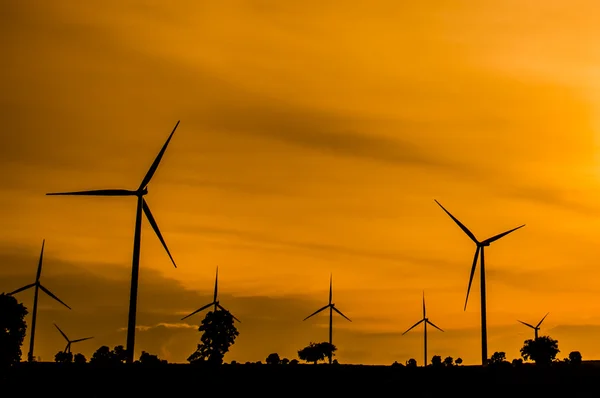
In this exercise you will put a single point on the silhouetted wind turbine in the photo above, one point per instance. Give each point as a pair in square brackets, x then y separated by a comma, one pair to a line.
[69, 342]
[535, 328]
[38, 285]
[332, 308]
[480, 246]
[425, 321]
[142, 205]
[214, 303]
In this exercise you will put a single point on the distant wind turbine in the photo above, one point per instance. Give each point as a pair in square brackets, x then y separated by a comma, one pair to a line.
[142, 205]
[425, 321]
[480, 246]
[535, 328]
[69, 342]
[215, 303]
[332, 308]
[38, 285]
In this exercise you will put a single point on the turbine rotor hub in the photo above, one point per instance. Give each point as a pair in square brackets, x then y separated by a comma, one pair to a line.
[142, 192]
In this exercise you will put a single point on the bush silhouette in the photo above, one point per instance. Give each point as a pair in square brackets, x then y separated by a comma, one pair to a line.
[411, 363]
[273, 359]
[315, 352]
[436, 361]
[542, 350]
[149, 359]
[12, 329]
[218, 334]
[63, 357]
[575, 358]
[448, 361]
[79, 358]
[498, 357]
[458, 361]
[106, 356]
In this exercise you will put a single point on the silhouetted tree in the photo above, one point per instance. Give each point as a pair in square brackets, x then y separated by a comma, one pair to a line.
[498, 357]
[517, 362]
[294, 362]
[12, 329]
[218, 334]
[458, 361]
[285, 361]
[575, 358]
[411, 363]
[436, 361]
[397, 364]
[149, 359]
[63, 357]
[106, 356]
[448, 361]
[79, 358]
[542, 350]
[335, 362]
[273, 359]
[315, 352]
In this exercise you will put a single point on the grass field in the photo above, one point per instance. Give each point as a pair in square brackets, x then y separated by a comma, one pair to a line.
[87, 380]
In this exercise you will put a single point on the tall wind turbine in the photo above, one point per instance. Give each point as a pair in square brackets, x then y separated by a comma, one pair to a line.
[214, 303]
[535, 328]
[332, 308]
[425, 321]
[142, 205]
[480, 246]
[69, 342]
[38, 285]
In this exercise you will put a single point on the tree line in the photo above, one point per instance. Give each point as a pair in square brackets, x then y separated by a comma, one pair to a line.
[219, 334]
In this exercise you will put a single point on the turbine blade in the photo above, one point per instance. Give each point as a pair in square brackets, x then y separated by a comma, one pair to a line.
[97, 192]
[49, 293]
[431, 323]
[154, 225]
[223, 309]
[340, 312]
[197, 311]
[330, 288]
[413, 326]
[495, 238]
[84, 339]
[61, 332]
[316, 312]
[39, 270]
[461, 225]
[216, 292]
[526, 324]
[21, 289]
[156, 162]
[538, 325]
[471, 277]
[424, 310]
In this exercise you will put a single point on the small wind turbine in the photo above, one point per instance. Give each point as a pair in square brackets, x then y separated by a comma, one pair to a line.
[38, 285]
[480, 246]
[425, 321]
[69, 342]
[214, 303]
[535, 328]
[142, 205]
[332, 308]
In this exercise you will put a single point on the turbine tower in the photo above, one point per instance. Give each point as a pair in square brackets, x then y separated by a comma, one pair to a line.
[480, 246]
[142, 206]
[332, 308]
[38, 285]
[535, 328]
[425, 321]
[69, 342]
[215, 303]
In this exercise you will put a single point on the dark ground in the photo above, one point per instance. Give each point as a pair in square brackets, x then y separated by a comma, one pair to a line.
[70, 380]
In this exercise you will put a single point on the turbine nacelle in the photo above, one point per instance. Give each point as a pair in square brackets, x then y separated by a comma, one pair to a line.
[142, 192]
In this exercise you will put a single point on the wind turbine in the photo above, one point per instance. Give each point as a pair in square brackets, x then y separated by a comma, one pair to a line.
[425, 321]
[142, 205]
[38, 285]
[214, 303]
[480, 246]
[535, 328]
[69, 342]
[332, 308]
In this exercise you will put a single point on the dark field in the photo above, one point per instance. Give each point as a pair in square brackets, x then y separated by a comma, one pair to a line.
[70, 380]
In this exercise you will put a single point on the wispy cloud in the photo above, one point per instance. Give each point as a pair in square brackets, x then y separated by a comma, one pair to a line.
[144, 328]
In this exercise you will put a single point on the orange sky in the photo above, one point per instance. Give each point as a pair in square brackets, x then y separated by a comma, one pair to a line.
[314, 137]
